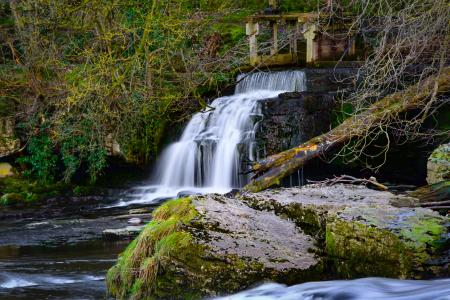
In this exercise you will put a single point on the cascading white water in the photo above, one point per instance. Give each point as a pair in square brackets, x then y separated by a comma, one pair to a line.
[211, 153]
[273, 81]
[359, 289]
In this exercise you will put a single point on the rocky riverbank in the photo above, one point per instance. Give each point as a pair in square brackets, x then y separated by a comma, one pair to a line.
[212, 244]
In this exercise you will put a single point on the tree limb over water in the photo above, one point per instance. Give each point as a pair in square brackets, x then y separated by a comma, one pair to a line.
[273, 169]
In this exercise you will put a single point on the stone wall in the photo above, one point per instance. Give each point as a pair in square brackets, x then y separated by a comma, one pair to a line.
[329, 79]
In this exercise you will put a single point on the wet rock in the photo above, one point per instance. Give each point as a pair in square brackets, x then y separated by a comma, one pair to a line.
[186, 194]
[388, 241]
[438, 165]
[364, 231]
[291, 119]
[122, 233]
[310, 205]
[138, 211]
[135, 221]
[260, 236]
[330, 79]
[205, 245]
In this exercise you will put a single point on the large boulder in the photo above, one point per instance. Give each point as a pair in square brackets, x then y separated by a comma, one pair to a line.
[205, 245]
[208, 245]
[438, 165]
[365, 232]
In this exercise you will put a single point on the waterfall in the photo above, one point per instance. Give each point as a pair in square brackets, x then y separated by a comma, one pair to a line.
[216, 145]
[290, 81]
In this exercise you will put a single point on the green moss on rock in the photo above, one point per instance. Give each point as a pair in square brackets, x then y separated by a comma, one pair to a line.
[208, 245]
[137, 267]
[165, 262]
[393, 242]
[187, 252]
[438, 165]
[363, 232]
[18, 191]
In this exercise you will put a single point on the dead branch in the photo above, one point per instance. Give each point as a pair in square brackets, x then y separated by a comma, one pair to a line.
[350, 180]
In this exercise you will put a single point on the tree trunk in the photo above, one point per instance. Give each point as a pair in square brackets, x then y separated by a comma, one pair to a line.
[270, 171]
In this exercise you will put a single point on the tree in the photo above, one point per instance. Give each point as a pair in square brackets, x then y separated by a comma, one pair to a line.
[405, 70]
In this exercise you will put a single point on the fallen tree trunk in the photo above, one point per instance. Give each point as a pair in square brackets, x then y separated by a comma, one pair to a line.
[270, 171]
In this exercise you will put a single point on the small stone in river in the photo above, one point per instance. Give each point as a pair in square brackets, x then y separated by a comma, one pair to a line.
[135, 221]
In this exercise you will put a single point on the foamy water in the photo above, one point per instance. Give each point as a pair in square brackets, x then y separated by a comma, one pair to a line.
[360, 289]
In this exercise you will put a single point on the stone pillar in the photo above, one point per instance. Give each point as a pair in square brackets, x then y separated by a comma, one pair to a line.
[252, 30]
[274, 49]
[310, 35]
[295, 39]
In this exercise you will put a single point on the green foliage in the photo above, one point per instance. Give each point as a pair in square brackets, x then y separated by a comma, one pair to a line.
[122, 71]
[42, 158]
[300, 5]
[82, 147]
[341, 113]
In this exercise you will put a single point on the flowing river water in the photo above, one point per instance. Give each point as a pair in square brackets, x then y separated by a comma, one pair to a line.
[64, 256]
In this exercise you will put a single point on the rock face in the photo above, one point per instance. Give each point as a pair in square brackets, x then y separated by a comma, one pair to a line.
[206, 245]
[438, 166]
[259, 236]
[394, 242]
[293, 118]
[329, 79]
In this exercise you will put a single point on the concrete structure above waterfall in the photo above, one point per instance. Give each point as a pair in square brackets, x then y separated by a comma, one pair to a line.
[277, 39]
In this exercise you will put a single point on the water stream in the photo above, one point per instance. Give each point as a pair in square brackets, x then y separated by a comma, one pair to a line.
[61, 272]
[360, 289]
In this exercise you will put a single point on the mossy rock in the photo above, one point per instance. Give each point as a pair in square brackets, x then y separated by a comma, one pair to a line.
[31, 192]
[388, 241]
[310, 206]
[364, 232]
[11, 199]
[438, 165]
[208, 245]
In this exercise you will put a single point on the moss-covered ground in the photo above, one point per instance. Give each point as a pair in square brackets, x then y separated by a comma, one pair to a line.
[18, 191]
